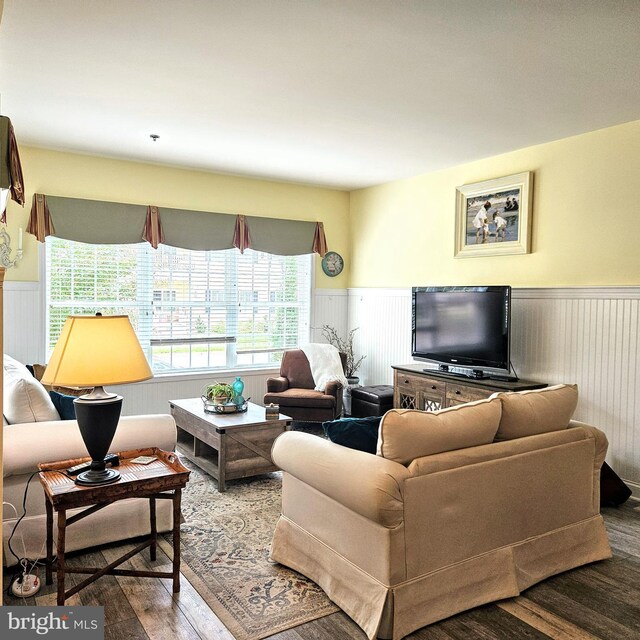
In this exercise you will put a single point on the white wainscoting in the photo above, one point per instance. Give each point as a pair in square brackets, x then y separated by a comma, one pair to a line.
[585, 335]
[23, 321]
[153, 396]
[383, 321]
[589, 336]
[330, 306]
[24, 340]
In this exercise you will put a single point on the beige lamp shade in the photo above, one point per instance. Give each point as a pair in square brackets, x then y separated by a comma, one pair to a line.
[95, 351]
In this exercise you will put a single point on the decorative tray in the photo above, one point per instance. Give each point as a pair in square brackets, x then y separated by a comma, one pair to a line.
[229, 407]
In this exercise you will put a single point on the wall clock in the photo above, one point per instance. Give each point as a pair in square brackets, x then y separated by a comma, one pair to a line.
[332, 263]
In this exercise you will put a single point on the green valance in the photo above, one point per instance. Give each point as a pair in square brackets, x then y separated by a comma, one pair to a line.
[100, 222]
[96, 221]
[197, 230]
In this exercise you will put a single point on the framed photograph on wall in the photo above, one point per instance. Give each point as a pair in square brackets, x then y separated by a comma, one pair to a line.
[493, 217]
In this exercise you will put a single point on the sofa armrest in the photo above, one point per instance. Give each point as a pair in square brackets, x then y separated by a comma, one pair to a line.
[27, 445]
[601, 442]
[367, 484]
[277, 385]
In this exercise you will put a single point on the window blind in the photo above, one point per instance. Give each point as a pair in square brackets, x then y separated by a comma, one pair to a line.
[192, 310]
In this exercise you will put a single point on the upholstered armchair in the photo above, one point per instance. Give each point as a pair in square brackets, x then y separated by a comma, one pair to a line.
[294, 391]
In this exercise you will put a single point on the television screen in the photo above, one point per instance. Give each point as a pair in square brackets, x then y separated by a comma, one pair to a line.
[462, 326]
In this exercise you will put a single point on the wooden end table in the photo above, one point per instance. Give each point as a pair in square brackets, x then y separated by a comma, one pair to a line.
[162, 479]
[228, 446]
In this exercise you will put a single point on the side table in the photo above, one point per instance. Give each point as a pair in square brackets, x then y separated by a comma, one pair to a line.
[162, 479]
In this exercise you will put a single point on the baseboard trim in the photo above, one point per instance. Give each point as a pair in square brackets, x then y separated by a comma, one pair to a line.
[635, 489]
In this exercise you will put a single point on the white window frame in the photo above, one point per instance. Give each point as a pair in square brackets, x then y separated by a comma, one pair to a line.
[45, 349]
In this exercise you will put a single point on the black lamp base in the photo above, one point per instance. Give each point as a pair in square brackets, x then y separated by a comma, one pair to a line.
[92, 477]
[97, 414]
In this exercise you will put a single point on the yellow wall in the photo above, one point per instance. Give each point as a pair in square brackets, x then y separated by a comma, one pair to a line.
[94, 178]
[585, 218]
[585, 225]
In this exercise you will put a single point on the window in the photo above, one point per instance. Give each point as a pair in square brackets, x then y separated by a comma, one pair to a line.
[192, 310]
[164, 295]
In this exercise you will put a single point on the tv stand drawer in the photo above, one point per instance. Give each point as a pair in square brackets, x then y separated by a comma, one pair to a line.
[460, 393]
[418, 392]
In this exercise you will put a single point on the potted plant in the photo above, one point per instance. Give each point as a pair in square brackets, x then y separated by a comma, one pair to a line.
[345, 345]
[218, 393]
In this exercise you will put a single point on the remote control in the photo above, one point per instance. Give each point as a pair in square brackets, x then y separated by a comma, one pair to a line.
[111, 459]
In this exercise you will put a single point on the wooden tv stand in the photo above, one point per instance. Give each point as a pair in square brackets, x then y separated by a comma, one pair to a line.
[430, 390]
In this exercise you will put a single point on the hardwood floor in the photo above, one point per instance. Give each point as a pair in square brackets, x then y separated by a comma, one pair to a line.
[598, 601]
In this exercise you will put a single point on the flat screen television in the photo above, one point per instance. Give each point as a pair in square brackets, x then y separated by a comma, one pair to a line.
[463, 327]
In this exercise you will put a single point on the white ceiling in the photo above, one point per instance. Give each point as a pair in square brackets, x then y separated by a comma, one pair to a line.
[342, 93]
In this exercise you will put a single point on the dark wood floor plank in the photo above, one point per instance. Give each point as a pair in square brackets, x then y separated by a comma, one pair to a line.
[585, 616]
[158, 613]
[198, 613]
[601, 601]
[105, 589]
[489, 623]
[616, 580]
[544, 621]
[125, 630]
[432, 632]
[577, 586]
[289, 634]
[337, 625]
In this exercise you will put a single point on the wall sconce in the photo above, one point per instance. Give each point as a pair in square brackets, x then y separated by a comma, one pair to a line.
[5, 249]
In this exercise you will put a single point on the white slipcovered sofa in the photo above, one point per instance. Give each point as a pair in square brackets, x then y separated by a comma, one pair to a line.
[46, 438]
[459, 508]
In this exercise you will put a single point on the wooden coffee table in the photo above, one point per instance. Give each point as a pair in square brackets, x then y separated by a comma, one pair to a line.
[228, 446]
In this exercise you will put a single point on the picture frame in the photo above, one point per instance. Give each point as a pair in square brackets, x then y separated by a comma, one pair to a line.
[493, 217]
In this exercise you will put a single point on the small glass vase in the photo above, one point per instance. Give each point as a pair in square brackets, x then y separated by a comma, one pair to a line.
[238, 387]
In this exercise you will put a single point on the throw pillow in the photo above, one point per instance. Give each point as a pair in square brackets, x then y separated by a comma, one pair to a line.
[25, 399]
[64, 405]
[406, 434]
[527, 413]
[355, 433]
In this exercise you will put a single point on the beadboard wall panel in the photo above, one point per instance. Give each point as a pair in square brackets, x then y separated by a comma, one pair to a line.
[585, 335]
[153, 396]
[23, 321]
[383, 321]
[24, 340]
[589, 336]
[330, 306]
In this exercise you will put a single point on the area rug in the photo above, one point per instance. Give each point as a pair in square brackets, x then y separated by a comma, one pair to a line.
[225, 544]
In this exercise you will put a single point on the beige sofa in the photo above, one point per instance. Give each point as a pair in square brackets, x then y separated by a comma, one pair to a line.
[27, 445]
[459, 508]
[33, 433]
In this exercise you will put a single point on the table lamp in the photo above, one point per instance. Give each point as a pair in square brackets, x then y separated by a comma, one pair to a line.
[94, 351]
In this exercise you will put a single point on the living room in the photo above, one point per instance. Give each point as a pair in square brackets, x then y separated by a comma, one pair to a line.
[575, 291]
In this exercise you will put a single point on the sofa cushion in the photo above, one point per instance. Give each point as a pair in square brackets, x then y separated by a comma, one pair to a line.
[64, 405]
[25, 399]
[355, 433]
[527, 413]
[406, 434]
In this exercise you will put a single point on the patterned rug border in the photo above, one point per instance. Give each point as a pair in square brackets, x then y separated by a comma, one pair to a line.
[225, 557]
[225, 617]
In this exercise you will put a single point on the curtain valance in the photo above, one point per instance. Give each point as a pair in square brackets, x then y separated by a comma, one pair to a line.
[100, 222]
[11, 179]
